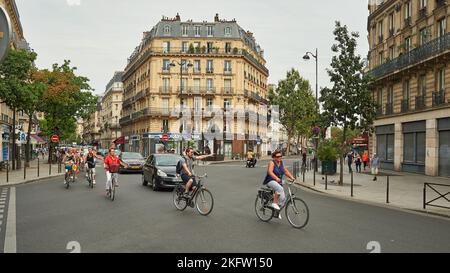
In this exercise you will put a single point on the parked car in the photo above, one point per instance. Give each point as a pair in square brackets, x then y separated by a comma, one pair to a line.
[135, 162]
[160, 171]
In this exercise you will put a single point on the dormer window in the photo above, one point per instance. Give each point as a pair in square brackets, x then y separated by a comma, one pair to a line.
[167, 30]
[228, 31]
[184, 30]
[210, 30]
[197, 30]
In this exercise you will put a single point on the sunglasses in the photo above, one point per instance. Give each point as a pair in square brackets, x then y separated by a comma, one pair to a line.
[278, 156]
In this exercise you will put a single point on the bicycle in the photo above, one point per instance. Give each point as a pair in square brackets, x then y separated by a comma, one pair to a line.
[198, 198]
[70, 174]
[293, 204]
[111, 192]
[90, 177]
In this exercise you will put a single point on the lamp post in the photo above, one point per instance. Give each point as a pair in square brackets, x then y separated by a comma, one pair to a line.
[182, 63]
[307, 58]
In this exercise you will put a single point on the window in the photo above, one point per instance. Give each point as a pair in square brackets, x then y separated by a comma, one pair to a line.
[197, 85]
[227, 67]
[408, 10]
[166, 47]
[197, 67]
[209, 85]
[184, 65]
[165, 103]
[380, 58]
[184, 47]
[227, 86]
[226, 104]
[197, 104]
[406, 90]
[422, 85]
[167, 30]
[117, 107]
[392, 52]
[423, 4]
[210, 30]
[165, 124]
[209, 66]
[197, 45]
[184, 30]
[228, 31]
[166, 84]
[197, 30]
[166, 65]
[390, 95]
[440, 80]
[184, 84]
[414, 147]
[441, 27]
[380, 30]
[408, 44]
[209, 47]
[391, 23]
[423, 36]
[227, 47]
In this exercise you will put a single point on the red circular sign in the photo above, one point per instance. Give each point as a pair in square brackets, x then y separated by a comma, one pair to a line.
[55, 138]
[165, 137]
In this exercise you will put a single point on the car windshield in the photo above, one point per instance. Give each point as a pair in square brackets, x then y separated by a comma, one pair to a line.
[167, 160]
[131, 156]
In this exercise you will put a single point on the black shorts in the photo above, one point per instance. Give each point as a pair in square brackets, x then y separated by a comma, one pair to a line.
[186, 178]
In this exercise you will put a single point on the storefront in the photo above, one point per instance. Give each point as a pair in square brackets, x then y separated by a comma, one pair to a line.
[385, 145]
[444, 147]
[414, 147]
[5, 142]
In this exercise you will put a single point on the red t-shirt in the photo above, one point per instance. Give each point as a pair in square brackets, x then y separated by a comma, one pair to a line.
[109, 160]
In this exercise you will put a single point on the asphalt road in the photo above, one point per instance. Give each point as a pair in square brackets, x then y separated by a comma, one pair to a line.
[48, 217]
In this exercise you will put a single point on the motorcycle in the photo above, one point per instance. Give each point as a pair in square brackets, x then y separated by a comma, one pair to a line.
[251, 163]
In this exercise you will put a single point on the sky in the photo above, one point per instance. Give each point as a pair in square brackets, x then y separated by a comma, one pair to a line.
[99, 35]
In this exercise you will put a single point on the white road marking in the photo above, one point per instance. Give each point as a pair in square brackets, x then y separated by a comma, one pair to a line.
[10, 238]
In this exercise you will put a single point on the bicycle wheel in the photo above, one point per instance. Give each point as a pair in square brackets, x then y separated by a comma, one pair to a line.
[263, 212]
[297, 213]
[204, 202]
[67, 178]
[178, 200]
[91, 180]
[113, 189]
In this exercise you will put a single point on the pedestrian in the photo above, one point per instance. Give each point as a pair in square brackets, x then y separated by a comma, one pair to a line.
[207, 150]
[365, 159]
[374, 164]
[350, 161]
[358, 163]
[304, 158]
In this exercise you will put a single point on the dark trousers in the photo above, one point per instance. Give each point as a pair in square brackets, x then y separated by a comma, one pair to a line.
[350, 168]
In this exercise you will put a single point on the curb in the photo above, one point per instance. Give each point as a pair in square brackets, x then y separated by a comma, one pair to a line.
[30, 181]
[372, 203]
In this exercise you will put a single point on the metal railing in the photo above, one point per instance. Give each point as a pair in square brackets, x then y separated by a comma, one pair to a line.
[420, 102]
[227, 91]
[389, 108]
[423, 12]
[415, 56]
[433, 187]
[438, 98]
[165, 89]
[405, 106]
[440, 3]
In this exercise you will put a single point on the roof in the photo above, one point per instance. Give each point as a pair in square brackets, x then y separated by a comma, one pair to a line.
[116, 78]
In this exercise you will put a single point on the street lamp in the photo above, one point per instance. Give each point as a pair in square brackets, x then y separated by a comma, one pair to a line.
[307, 58]
[182, 63]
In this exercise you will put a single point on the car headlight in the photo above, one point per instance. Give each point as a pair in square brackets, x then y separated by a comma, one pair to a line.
[161, 173]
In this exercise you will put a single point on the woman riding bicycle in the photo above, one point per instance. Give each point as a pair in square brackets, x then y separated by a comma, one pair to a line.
[274, 179]
[69, 161]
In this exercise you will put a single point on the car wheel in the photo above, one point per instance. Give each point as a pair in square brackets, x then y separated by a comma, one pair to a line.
[144, 182]
[154, 184]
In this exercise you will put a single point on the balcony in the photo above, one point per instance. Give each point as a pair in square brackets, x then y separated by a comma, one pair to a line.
[405, 106]
[227, 71]
[209, 90]
[423, 12]
[209, 70]
[379, 111]
[140, 95]
[389, 108]
[380, 39]
[165, 70]
[431, 49]
[156, 112]
[440, 3]
[438, 98]
[391, 32]
[197, 71]
[114, 125]
[407, 22]
[137, 115]
[128, 102]
[227, 91]
[125, 120]
[165, 90]
[420, 102]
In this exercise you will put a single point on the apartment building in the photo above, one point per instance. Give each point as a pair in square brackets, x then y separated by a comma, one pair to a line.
[410, 59]
[111, 113]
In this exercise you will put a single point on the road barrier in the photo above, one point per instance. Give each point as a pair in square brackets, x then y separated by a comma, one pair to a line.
[441, 195]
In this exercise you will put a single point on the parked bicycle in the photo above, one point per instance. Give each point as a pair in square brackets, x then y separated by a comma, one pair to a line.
[296, 210]
[200, 198]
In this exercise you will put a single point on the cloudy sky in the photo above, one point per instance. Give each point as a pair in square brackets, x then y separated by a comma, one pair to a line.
[99, 35]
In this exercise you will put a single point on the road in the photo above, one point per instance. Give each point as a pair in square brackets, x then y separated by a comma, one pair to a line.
[48, 217]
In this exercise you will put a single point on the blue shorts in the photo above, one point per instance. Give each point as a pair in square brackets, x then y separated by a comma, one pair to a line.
[186, 178]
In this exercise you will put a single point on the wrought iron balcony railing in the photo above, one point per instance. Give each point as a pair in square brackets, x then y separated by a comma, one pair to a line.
[440, 3]
[423, 12]
[415, 56]
[438, 98]
[389, 108]
[420, 102]
[405, 106]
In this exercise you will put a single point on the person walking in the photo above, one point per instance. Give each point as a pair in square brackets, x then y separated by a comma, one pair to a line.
[350, 161]
[365, 159]
[358, 163]
[374, 165]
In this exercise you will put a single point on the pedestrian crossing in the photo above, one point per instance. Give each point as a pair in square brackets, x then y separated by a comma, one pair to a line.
[3, 196]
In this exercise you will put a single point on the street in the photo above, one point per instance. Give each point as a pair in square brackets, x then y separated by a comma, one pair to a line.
[49, 217]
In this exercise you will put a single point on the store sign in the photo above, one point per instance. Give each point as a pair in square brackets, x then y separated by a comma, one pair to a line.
[5, 34]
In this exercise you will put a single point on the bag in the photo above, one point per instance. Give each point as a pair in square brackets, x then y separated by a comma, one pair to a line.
[180, 166]
[114, 168]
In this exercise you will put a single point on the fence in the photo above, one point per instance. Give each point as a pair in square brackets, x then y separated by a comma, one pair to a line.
[432, 186]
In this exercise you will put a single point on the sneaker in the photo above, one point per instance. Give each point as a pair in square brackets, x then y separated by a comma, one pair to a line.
[93, 182]
[279, 216]
[275, 206]
[186, 195]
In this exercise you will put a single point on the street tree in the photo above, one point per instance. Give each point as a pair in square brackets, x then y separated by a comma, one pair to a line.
[297, 106]
[348, 104]
[15, 74]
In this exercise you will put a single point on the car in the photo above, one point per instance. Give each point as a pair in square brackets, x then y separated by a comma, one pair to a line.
[135, 162]
[160, 171]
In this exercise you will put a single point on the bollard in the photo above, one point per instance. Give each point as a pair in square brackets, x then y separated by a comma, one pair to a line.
[25, 171]
[314, 178]
[49, 167]
[7, 171]
[352, 184]
[326, 182]
[387, 190]
[424, 195]
[38, 167]
[304, 176]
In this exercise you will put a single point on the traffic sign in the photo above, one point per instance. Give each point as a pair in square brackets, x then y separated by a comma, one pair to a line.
[165, 137]
[55, 138]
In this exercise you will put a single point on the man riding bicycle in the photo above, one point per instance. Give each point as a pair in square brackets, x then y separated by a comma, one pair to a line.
[90, 163]
[187, 174]
[274, 179]
[111, 165]
[69, 160]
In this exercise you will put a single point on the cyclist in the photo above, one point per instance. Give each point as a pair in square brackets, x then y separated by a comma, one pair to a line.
[112, 164]
[69, 161]
[89, 158]
[187, 174]
[274, 179]
[251, 157]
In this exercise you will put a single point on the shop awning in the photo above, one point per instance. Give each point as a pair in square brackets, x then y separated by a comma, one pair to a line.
[38, 139]
[120, 140]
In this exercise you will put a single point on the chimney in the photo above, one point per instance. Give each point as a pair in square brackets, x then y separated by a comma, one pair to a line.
[178, 18]
[216, 18]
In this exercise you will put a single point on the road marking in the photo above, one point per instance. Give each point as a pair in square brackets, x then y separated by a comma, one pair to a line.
[10, 238]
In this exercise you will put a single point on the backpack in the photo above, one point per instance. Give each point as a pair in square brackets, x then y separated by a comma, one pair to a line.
[180, 165]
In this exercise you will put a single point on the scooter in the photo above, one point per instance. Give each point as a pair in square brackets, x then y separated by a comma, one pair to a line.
[251, 163]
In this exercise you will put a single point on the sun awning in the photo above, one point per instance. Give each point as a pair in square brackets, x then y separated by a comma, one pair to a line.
[38, 139]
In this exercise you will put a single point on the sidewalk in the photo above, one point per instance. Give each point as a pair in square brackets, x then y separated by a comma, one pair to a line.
[17, 177]
[406, 190]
